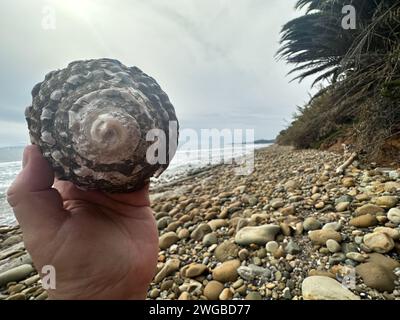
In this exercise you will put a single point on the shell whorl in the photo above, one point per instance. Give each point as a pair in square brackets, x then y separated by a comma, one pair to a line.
[91, 120]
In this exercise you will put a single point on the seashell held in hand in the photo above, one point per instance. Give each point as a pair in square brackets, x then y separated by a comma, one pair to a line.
[92, 119]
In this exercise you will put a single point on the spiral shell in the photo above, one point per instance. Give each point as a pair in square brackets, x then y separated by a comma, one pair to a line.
[91, 120]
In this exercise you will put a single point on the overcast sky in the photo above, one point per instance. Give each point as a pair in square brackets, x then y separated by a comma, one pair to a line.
[214, 58]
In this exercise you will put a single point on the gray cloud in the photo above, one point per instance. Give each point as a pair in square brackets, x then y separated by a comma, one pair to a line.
[214, 58]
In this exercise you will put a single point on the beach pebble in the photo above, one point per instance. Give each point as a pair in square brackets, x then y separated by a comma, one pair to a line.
[195, 270]
[383, 260]
[348, 182]
[200, 231]
[251, 272]
[321, 236]
[394, 215]
[335, 226]
[16, 274]
[311, 224]
[287, 211]
[243, 254]
[355, 256]
[257, 235]
[342, 206]
[210, 239]
[169, 268]
[183, 233]
[226, 294]
[325, 288]
[333, 246]
[217, 223]
[369, 209]
[227, 271]
[391, 232]
[286, 294]
[392, 186]
[272, 246]
[277, 203]
[17, 296]
[253, 295]
[292, 248]
[387, 201]
[168, 239]
[163, 222]
[213, 289]
[11, 240]
[379, 242]
[154, 293]
[376, 276]
[227, 250]
[364, 221]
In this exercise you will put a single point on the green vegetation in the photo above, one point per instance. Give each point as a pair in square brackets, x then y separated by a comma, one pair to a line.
[358, 70]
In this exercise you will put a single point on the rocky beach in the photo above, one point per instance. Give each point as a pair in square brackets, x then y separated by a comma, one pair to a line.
[294, 229]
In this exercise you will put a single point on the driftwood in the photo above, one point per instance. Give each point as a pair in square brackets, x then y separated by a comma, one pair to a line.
[348, 162]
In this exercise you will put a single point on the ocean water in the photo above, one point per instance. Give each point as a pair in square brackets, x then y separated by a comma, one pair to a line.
[183, 163]
[8, 171]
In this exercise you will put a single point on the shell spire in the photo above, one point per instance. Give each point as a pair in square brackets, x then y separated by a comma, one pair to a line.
[91, 120]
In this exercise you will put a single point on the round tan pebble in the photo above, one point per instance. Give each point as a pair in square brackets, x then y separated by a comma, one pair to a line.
[226, 294]
[213, 289]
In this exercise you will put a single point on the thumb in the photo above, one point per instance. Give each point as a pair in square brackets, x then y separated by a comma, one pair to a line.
[34, 201]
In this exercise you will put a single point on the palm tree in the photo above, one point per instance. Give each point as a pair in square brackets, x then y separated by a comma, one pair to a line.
[318, 44]
[361, 66]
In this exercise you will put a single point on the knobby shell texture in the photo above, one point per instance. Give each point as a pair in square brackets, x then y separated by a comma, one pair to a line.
[91, 120]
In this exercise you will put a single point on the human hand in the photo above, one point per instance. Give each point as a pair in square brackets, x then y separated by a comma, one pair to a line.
[102, 246]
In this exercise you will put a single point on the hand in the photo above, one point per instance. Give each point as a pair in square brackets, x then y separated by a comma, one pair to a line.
[102, 246]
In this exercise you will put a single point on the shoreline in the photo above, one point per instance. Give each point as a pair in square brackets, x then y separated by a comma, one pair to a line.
[247, 237]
